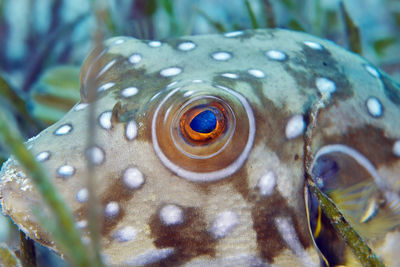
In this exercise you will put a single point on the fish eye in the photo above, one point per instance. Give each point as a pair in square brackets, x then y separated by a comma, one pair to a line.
[195, 131]
[203, 124]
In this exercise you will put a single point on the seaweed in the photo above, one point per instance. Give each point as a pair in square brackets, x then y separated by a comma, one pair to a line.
[353, 32]
[66, 235]
[358, 246]
[252, 16]
[217, 25]
[382, 44]
[268, 12]
[7, 257]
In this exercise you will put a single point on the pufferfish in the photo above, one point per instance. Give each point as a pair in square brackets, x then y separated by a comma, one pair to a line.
[199, 152]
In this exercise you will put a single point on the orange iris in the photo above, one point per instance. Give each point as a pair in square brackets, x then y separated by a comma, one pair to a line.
[198, 138]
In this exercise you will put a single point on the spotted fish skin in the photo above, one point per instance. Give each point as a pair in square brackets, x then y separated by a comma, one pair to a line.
[236, 200]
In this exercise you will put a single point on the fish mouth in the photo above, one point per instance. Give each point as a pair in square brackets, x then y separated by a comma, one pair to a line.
[11, 172]
[19, 199]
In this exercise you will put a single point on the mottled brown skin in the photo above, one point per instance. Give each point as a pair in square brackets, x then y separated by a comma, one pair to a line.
[288, 89]
[269, 242]
[189, 238]
[368, 134]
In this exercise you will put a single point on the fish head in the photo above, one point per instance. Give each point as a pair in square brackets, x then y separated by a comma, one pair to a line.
[198, 146]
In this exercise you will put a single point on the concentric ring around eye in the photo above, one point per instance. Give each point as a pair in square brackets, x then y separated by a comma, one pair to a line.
[197, 136]
[197, 145]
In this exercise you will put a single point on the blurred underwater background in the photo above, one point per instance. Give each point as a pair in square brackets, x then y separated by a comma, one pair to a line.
[44, 42]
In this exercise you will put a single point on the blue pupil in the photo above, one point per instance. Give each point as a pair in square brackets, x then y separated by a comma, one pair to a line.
[204, 122]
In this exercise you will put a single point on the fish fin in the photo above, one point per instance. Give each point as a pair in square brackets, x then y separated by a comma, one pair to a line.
[367, 209]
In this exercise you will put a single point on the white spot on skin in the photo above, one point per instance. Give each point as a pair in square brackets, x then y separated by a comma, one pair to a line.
[135, 58]
[105, 87]
[105, 120]
[396, 148]
[224, 223]
[133, 178]
[150, 257]
[295, 126]
[111, 209]
[186, 46]
[63, 129]
[313, 45]
[81, 224]
[129, 92]
[82, 195]
[125, 234]
[171, 215]
[155, 44]
[95, 155]
[131, 130]
[173, 71]
[256, 73]
[288, 233]
[233, 34]
[81, 106]
[374, 107]
[65, 171]
[266, 183]
[373, 71]
[230, 75]
[221, 56]
[276, 55]
[85, 240]
[43, 156]
[325, 86]
[119, 41]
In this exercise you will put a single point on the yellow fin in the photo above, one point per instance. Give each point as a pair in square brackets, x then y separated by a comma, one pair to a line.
[367, 209]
